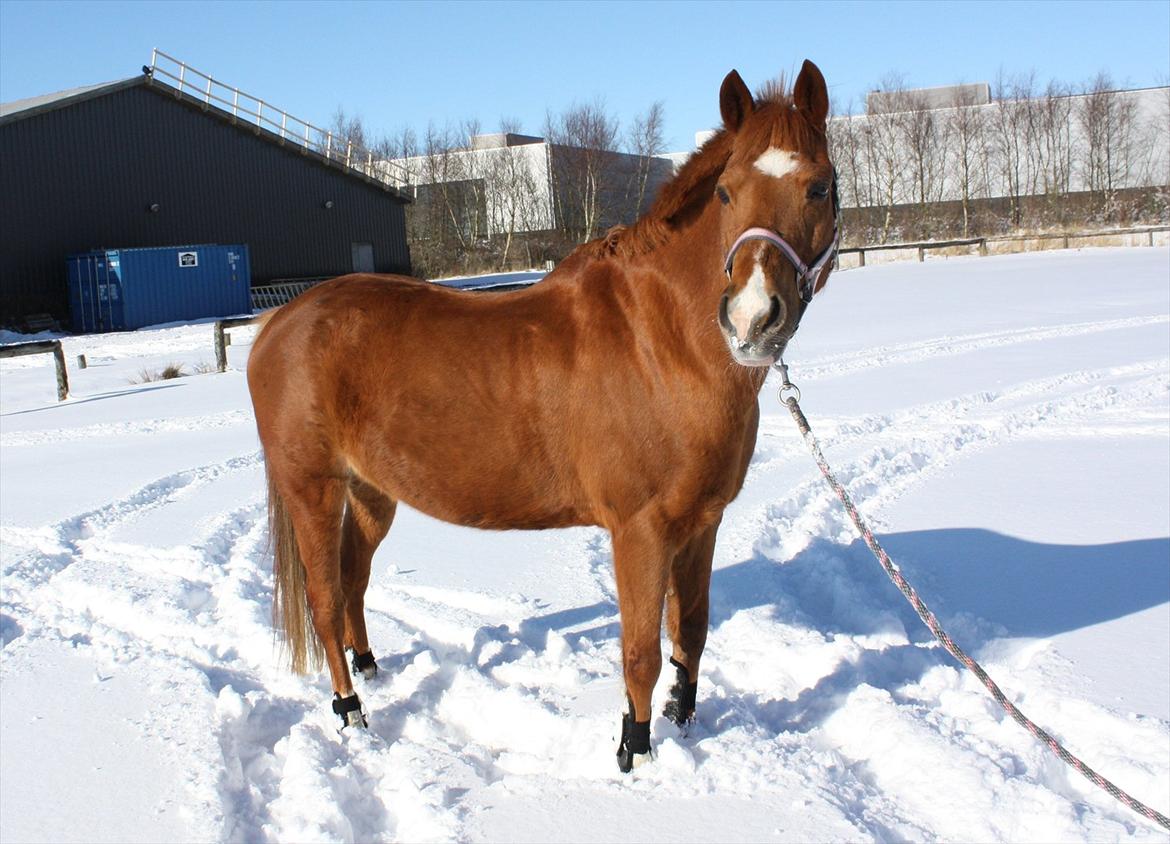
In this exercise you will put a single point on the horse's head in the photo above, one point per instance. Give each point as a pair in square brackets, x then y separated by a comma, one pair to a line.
[778, 214]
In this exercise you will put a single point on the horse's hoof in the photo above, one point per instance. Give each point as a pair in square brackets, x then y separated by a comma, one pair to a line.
[628, 761]
[680, 708]
[634, 748]
[365, 665]
[350, 710]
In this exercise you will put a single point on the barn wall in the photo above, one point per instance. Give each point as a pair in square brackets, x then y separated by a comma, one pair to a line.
[84, 177]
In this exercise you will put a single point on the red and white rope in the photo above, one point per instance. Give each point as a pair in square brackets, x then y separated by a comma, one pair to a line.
[932, 623]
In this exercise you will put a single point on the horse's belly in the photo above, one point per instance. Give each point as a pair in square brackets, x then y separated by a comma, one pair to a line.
[477, 486]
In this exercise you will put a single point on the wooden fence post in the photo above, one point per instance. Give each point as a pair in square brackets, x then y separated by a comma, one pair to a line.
[223, 339]
[220, 348]
[62, 373]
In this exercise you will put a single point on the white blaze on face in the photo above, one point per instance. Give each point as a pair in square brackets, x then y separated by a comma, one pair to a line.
[778, 162]
[748, 304]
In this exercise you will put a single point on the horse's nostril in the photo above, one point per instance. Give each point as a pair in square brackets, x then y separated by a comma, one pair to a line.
[774, 314]
[724, 319]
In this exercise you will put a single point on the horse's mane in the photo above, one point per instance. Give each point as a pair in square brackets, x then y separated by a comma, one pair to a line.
[774, 122]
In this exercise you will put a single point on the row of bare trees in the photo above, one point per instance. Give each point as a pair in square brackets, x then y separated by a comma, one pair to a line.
[500, 200]
[1032, 158]
[914, 168]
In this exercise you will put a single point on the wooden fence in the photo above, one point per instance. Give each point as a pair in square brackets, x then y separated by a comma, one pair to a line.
[222, 339]
[53, 347]
[1004, 244]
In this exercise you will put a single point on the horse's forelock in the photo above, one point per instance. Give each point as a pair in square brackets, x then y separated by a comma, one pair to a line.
[776, 122]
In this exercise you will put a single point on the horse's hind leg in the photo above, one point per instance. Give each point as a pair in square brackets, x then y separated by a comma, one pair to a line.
[640, 568]
[315, 503]
[687, 602]
[368, 514]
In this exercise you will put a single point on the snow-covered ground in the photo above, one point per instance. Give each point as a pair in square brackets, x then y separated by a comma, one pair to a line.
[1004, 423]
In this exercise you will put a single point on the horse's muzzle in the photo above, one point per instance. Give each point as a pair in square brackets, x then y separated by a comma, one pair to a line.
[765, 338]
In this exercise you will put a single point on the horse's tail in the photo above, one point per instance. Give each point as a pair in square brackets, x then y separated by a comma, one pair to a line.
[290, 605]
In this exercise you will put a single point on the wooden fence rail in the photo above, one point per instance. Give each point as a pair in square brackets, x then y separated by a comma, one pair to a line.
[53, 347]
[986, 244]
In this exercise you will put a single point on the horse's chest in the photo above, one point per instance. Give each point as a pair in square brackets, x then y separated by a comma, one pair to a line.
[707, 465]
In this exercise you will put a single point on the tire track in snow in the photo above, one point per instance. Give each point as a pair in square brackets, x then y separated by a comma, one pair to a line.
[920, 441]
[57, 544]
[120, 430]
[35, 558]
[778, 443]
[832, 366]
[183, 612]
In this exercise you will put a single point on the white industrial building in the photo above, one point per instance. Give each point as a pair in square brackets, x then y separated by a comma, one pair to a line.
[514, 177]
[1104, 141]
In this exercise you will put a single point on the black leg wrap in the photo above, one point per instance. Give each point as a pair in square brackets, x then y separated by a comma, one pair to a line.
[364, 664]
[350, 710]
[635, 739]
[681, 706]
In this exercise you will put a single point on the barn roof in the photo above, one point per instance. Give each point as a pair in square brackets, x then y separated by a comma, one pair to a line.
[20, 109]
[23, 109]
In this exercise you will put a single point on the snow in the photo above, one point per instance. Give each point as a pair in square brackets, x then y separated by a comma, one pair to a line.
[1003, 422]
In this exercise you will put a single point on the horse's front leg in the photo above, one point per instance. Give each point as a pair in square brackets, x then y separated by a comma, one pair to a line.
[641, 559]
[687, 603]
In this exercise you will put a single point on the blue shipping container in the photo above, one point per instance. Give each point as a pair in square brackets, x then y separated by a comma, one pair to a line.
[123, 289]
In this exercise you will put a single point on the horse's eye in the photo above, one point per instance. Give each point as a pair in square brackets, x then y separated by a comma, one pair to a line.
[818, 190]
[722, 193]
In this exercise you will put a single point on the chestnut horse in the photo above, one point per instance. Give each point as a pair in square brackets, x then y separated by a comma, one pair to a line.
[620, 391]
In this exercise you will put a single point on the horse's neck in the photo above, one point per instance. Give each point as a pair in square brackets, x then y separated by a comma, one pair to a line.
[690, 266]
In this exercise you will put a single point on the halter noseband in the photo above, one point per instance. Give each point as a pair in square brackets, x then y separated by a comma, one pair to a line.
[806, 275]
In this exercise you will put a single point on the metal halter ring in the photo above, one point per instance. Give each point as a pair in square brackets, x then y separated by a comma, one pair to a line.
[786, 385]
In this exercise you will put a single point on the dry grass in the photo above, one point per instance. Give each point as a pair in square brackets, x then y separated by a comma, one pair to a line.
[168, 372]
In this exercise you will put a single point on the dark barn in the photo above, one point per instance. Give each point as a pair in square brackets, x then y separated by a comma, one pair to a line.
[136, 163]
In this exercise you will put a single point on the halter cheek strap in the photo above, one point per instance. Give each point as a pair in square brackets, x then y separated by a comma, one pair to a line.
[806, 275]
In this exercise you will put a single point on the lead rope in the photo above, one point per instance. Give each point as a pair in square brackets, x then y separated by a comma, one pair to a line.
[790, 395]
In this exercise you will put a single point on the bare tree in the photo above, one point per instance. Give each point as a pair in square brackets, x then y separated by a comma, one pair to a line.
[581, 140]
[847, 149]
[645, 141]
[884, 152]
[923, 137]
[1009, 125]
[1110, 158]
[967, 133]
[1052, 135]
[348, 127]
[510, 180]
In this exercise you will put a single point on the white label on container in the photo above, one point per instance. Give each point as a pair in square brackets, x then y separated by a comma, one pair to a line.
[188, 259]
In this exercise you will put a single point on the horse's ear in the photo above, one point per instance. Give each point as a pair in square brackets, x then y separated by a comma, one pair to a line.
[811, 95]
[735, 101]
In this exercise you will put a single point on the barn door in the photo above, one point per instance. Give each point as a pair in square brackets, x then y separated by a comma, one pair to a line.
[363, 257]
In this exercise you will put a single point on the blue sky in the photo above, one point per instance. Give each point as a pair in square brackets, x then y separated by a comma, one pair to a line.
[402, 63]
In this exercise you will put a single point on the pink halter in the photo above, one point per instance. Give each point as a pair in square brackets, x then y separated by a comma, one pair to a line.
[806, 276]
